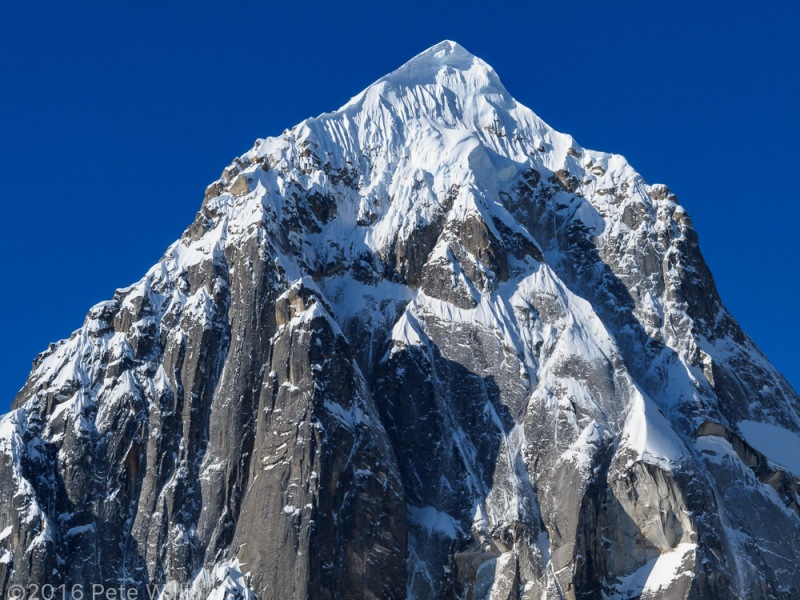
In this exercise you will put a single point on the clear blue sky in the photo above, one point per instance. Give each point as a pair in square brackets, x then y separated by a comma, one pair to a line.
[115, 116]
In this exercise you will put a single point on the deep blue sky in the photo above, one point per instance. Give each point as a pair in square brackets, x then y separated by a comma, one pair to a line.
[115, 116]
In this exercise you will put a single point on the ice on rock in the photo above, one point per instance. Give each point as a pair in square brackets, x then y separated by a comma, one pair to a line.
[777, 443]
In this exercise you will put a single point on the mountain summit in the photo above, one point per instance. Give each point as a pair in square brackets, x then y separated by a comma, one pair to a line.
[423, 346]
[449, 65]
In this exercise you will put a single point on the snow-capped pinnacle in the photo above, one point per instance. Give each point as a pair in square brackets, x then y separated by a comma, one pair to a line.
[451, 66]
[445, 56]
[445, 106]
[458, 316]
[445, 77]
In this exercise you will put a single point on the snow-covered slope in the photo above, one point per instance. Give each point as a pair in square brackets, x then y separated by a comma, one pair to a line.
[423, 346]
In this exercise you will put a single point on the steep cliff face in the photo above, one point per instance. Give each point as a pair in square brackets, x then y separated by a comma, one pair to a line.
[423, 346]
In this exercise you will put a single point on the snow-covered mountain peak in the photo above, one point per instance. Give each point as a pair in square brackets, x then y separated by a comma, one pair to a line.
[422, 346]
[442, 121]
[445, 85]
[449, 65]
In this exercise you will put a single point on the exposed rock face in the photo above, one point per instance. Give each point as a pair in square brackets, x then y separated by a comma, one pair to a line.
[420, 347]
